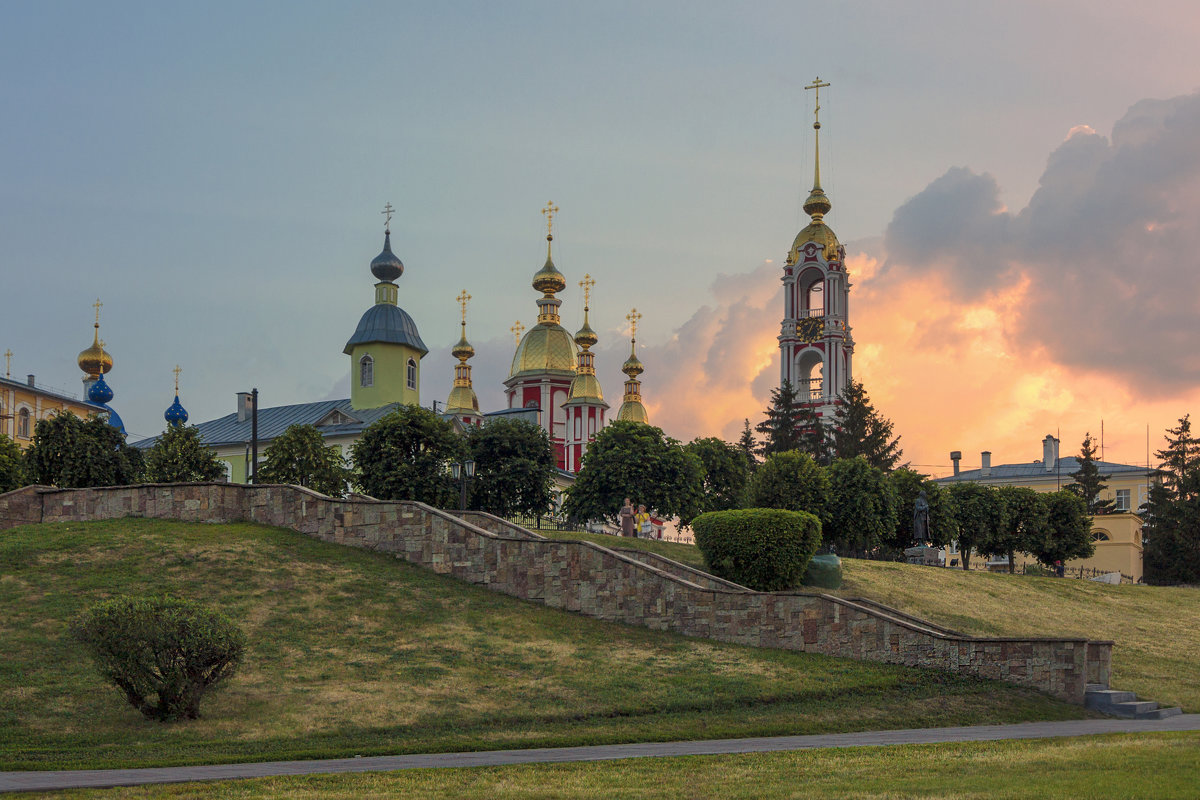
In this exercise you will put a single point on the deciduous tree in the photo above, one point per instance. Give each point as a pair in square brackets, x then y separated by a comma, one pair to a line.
[908, 484]
[725, 473]
[12, 465]
[1025, 521]
[406, 455]
[300, 456]
[1067, 532]
[179, 456]
[977, 512]
[792, 481]
[632, 459]
[514, 467]
[71, 452]
[862, 505]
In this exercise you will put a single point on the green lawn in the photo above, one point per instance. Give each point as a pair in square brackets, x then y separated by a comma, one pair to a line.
[1157, 640]
[1161, 766]
[355, 652]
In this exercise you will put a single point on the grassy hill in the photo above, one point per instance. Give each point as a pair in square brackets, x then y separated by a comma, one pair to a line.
[354, 652]
[1154, 627]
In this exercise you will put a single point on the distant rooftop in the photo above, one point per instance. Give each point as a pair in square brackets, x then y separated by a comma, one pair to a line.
[272, 422]
[1037, 469]
[42, 390]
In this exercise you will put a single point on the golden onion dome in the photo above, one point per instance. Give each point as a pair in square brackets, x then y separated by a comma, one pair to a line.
[585, 336]
[585, 386]
[817, 203]
[95, 361]
[817, 231]
[632, 367]
[546, 347]
[548, 280]
[463, 350]
[633, 411]
[462, 398]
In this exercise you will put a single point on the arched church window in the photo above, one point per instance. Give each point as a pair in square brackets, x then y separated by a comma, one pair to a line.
[366, 371]
[1100, 536]
[411, 379]
[23, 423]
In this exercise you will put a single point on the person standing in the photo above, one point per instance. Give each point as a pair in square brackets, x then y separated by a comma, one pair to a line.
[643, 523]
[627, 518]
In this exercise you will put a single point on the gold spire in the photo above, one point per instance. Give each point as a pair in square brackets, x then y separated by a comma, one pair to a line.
[94, 361]
[549, 211]
[463, 350]
[631, 409]
[586, 337]
[463, 298]
[177, 370]
[632, 318]
[817, 205]
[517, 329]
[462, 398]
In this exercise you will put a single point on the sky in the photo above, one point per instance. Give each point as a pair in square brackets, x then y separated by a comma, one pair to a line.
[1017, 185]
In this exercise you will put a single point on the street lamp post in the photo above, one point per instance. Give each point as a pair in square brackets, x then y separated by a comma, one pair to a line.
[463, 472]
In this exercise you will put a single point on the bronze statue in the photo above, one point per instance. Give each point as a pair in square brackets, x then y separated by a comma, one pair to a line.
[920, 521]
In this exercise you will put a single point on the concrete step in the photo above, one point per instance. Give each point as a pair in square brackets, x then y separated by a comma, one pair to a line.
[1099, 699]
[1161, 713]
[1133, 710]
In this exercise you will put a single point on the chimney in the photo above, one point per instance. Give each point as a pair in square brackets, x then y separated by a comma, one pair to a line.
[243, 406]
[29, 379]
[985, 459]
[956, 456]
[1049, 453]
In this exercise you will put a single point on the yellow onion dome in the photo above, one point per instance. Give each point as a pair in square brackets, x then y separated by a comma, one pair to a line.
[548, 280]
[632, 367]
[818, 232]
[463, 350]
[462, 398]
[585, 386]
[546, 347]
[95, 361]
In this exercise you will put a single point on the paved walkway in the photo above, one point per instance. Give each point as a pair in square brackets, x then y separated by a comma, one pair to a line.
[103, 778]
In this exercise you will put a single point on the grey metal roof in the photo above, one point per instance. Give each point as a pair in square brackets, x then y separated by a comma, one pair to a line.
[1036, 469]
[384, 322]
[49, 393]
[274, 421]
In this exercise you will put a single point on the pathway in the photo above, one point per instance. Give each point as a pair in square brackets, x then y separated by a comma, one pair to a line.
[102, 778]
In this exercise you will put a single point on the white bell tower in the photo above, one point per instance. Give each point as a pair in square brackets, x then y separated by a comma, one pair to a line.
[814, 340]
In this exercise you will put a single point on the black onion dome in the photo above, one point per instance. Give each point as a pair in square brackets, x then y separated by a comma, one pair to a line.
[385, 266]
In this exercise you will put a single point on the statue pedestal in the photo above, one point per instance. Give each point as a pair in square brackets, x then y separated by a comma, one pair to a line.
[922, 554]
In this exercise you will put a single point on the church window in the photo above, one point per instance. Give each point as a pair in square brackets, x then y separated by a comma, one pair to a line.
[23, 423]
[366, 371]
[1122, 500]
[411, 380]
[1100, 536]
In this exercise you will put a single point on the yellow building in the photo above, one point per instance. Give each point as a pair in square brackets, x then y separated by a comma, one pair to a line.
[22, 404]
[1118, 536]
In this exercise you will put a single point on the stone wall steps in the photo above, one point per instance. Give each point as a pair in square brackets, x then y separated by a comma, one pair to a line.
[1117, 703]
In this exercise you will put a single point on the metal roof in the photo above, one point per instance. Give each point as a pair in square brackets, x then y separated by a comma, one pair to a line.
[384, 322]
[9, 382]
[274, 421]
[1036, 469]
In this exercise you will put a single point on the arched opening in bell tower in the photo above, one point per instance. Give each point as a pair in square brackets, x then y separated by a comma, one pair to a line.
[810, 377]
[811, 287]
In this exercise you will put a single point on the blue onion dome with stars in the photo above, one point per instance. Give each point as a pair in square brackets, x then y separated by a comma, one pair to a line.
[176, 414]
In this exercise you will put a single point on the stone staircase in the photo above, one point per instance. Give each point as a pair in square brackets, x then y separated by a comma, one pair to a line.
[1116, 703]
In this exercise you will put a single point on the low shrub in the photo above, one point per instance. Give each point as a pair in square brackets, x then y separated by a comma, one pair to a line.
[766, 549]
[165, 648]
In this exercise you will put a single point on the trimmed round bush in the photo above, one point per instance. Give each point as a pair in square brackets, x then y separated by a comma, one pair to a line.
[766, 549]
[163, 653]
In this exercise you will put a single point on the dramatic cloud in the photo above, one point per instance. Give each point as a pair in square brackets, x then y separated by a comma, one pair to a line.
[1105, 250]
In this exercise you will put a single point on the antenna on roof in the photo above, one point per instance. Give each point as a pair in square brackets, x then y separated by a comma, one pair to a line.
[1102, 438]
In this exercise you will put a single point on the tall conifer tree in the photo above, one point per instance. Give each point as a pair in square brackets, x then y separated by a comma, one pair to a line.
[1089, 483]
[1172, 526]
[781, 428]
[860, 430]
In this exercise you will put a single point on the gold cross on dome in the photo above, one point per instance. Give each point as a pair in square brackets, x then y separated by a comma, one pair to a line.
[549, 211]
[177, 370]
[587, 283]
[517, 329]
[463, 299]
[387, 222]
[632, 318]
[817, 84]
[96, 305]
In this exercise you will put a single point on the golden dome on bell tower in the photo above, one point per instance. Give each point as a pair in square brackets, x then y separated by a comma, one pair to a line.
[94, 361]
[817, 205]
[547, 346]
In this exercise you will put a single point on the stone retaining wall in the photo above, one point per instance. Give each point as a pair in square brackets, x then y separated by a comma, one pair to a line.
[589, 579]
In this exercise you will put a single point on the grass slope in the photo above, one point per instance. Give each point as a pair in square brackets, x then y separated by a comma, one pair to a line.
[1154, 627]
[354, 652]
[1162, 766]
